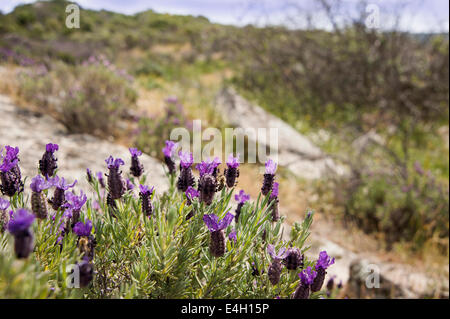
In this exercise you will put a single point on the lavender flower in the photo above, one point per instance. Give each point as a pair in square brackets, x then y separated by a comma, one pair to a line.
[191, 193]
[19, 227]
[209, 167]
[130, 185]
[116, 184]
[322, 264]
[232, 235]
[241, 198]
[59, 198]
[136, 168]
[232, 172]
[269, 177]
[10, 174]
[86, 242]
[274, 197]
[89, 176]
[186, 178]
[207, 188]
[86, 272]
[168, 152]
[101, 180]
[74, 204]
[145, 193]
[217, 242]
[275, 267]
[47, 165]
[293, 259]
[307, 277]
[38, 200]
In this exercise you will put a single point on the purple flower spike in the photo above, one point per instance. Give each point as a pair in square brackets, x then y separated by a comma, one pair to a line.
[191, 193]
[241, 197]
[48, 162]
[212, 221]
[7, 165]
[19, 227]
[145, 190]
[135, 152]
[89, 175]
[136, 169]
[130, 185]
[232, 172]
[233, 161]
[324, 260]
[282, 253]
[186, 159]
[145, 193]
[271, 167]
[38, 184]
[51, 148]
[114, 163]
[274, 190]
[204, 168]
[20, 221]
[169, 149]
[307, 276]
[232, 236]
[4, 204]
[82, 229]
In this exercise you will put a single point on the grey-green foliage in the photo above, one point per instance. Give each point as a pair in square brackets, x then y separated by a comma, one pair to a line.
[162, 256]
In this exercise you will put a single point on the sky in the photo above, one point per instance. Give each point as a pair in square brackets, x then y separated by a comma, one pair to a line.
[417, 15]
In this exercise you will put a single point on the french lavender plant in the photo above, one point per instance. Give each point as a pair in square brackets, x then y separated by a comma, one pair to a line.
[86, 241]
[274, 197]
[216, 227]
[275, 267]
[10, 174]
[207, 184]
[241, 198]
[136, 168]
[321, 266]
[232, 171]
[307, 277]
[145, 194]
[38, 199]
[61, 186]
[116, 183]
[19, 227]
[169, 152]
[186, 249]
[293, 259]
[73, 206]
[47, 164]
[269, 177]
[186, 178]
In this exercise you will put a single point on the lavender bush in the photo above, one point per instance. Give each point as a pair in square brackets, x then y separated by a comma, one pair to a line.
[140, 244]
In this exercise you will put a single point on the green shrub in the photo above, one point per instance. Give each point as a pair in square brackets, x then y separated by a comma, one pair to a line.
[87, 98]
[415, 212]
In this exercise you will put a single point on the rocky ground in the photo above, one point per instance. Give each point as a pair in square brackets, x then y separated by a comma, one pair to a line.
[31, 131]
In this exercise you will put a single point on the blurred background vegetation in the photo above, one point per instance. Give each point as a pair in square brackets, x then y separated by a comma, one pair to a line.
[380, 97]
